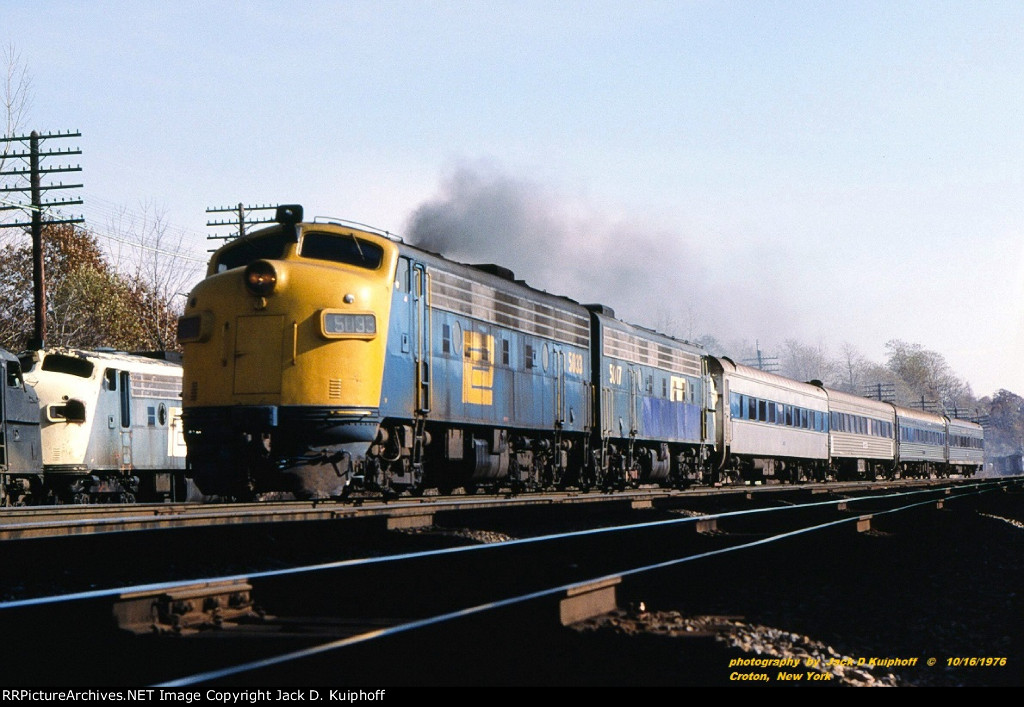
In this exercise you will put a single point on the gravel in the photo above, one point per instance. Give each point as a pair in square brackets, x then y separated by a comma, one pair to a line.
[753, 640]
[944, 586]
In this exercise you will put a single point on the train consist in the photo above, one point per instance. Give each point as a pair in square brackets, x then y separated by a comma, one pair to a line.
[90, 426]
[319, 357]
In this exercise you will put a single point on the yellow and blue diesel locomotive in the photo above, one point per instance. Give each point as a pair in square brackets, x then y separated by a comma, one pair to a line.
[655, 405]
[320, 356]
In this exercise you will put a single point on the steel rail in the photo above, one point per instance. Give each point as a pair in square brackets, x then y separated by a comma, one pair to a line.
[47, 521]
[114, 592]
[529, 596]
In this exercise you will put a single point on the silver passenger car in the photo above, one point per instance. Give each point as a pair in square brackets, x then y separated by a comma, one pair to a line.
[862, 443]
[965, 447]
[771, 426]
[921, 442]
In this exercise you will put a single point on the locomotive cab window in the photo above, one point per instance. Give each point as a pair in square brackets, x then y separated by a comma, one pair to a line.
[345, 249]
[13, 374]
[402, 276]
[72, 365]
[242, 252]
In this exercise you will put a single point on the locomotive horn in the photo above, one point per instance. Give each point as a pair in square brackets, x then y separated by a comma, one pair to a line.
[288, 215]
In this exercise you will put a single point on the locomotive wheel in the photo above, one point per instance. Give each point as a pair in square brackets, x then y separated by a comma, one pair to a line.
[80, 498]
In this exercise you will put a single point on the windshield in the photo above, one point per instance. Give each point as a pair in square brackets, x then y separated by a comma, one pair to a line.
[68, 364]
[340, 248]
[246, 250]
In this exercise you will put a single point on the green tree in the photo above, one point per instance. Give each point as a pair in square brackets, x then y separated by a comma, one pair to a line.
[89, 304]
[1004, 430]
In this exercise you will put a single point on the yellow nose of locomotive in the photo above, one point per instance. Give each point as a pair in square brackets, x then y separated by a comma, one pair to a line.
[292, 330]
[284, 348]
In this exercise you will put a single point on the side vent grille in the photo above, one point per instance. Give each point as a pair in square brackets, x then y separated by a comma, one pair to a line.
[334, 388]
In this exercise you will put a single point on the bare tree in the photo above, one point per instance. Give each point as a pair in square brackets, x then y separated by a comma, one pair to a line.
[850, 374]
[928, 376]
[17, 94]
[17, 99]
[150, 256]
[806, 363]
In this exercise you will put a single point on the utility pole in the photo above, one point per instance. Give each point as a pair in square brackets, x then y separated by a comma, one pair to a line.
[768, 364]
[36, 206]
[242, 220]
[885, 392]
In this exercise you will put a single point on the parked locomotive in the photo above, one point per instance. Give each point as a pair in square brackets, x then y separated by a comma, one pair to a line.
[319, 356]
[21, 453]
[108, 425]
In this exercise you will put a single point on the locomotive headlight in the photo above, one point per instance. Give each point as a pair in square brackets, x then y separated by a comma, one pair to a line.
[337, 325]
[260, 278]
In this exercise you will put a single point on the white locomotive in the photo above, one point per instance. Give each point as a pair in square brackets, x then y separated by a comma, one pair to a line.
[110, 425]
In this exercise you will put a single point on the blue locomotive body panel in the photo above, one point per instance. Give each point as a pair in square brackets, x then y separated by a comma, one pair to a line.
[652, 386]
[472, 348]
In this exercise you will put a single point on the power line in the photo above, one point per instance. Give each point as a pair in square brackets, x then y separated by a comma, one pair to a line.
[883, 392]
[136, 244]
[243, 218]
[769, 364]
[34, 173]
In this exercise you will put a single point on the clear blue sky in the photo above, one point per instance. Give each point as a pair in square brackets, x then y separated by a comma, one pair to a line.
[826, 171]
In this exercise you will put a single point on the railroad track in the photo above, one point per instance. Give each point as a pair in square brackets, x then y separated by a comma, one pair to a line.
[59, 521]
[281, 626]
